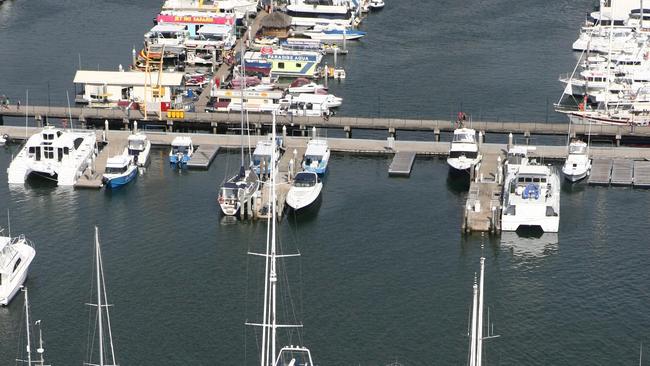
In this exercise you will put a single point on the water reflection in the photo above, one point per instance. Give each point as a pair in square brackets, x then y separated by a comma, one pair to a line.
[530, 243]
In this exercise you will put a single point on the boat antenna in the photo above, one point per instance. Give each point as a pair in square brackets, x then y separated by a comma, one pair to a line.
[67, 95]
[8, 224]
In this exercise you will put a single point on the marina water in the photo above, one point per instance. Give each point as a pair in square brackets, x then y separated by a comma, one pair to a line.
[385, 274]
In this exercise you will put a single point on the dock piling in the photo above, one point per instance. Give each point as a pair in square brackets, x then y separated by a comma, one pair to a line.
[510, 138]
[105, 135]
[527, 137]
[436, 135]
[348, 131]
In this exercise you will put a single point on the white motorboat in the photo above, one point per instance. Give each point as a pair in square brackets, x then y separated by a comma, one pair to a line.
[181, 151]
[305, 190]
[262, 154]
[317, 156]
[57, 154]
[303, 85]
[327, 100]
[171, 36]
[578, 164]
[376, 4]
[105, 352]
[16, 255]
[3, 140]
[120, 170]
[293, 106]
[531, 198]
[463, 152]
[292, 355]
[334, 33]
[309, 15]
[139, 147]
[518, 156]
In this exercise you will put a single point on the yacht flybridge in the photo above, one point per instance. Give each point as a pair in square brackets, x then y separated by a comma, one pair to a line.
[54, 153]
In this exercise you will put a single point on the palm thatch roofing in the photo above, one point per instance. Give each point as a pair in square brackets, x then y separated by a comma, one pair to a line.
[276, 20]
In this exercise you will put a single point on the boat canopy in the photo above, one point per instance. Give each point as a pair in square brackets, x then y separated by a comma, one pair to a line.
[316, 149]
[263, 148]
[168, 28]
[465, 135]
[305, 179]
[119, 161]
[215, 29]
[182, 141]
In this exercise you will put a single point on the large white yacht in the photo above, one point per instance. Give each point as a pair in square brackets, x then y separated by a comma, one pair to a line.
[16, 254]
[57, 154]
[531, 198]
[463, 152]
[310, 14]
[577, 164]
[139, 148]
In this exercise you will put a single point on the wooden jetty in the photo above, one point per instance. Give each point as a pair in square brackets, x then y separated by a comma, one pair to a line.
[483, 206]
[402, 164]
[642, 174]
[622, 172]
[601, 172]
[222, 121]
[203, 156]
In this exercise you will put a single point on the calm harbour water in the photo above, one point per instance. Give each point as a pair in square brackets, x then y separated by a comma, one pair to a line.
[385, 273]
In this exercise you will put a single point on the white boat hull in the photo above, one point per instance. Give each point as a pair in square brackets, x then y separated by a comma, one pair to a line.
[547, 224]
[303, 197]
[11, 286]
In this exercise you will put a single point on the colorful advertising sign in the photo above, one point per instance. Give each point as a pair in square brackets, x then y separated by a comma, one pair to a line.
[195, 19]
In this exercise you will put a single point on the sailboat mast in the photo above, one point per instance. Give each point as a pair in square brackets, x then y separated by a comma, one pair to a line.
[242, 86]
[273, 278]
[29, 346]
[479, 325]
[472, 347]
[609, 55]
[99, 299]
[40, 344]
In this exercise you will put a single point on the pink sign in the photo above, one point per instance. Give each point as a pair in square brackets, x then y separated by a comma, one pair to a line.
[195, 19]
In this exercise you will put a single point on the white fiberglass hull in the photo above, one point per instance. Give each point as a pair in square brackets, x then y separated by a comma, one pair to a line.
[303, 197]
[13, 283]
[462, 164]
[548, 224]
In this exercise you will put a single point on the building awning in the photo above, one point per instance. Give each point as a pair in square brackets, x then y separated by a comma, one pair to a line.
[127, 78]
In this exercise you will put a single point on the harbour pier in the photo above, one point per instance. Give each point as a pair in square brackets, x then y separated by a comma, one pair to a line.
[220, 122]
[483, 206]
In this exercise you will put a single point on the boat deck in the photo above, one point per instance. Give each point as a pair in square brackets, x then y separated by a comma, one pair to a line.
[601, 172]
[642, 174]
[402, 164]
[203, 156]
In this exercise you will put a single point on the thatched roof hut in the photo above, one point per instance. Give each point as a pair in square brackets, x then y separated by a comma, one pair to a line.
[276, 24]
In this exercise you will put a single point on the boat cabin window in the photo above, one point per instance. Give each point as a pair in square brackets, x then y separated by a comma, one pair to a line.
[298, 65]
[180, 149]
[136, 145]
[305, 180]
[577, 149]
[257, 159]
[17, 264]
[116, 170]
[531, 179]
[66, 150]
[280, 65]
[463, 137]
[467, 154]
[229, 193]
[48, 152]
[310, 158]
[60, 153]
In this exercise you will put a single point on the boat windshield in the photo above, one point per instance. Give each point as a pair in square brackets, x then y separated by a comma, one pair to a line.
[180, 149]
[464, 137]
[310, 158]
[136, 145]
[115, 170]
[305, 180]
[578, 149]
[466, 154]
[526, 179]
[229, 193]
[257, 159]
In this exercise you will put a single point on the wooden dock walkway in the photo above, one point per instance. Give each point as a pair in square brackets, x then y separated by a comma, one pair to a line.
[642, 174]
[203, 156]
[601, 171]
[206, 121]
[402, 164]
[622, 172]
[92, 178]
[483, 205]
